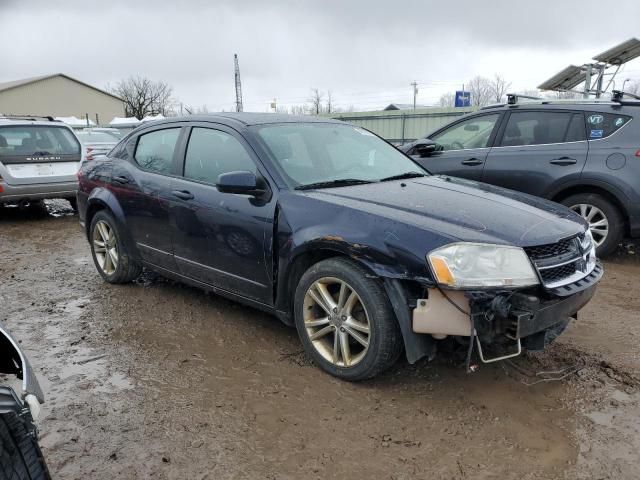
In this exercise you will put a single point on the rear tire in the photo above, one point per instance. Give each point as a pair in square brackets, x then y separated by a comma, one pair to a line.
[602, 210]
[336, 342]
[20, 454]
[114, 262]
[74, 204]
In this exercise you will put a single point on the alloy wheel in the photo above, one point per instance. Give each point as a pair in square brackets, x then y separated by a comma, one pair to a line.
[598, 223]
[336, 322]
[105, 247]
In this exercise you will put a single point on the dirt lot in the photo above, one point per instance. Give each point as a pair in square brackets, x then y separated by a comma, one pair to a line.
[159, 380]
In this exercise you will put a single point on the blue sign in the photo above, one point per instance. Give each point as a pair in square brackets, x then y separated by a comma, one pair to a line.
[463, 99]
[596, 133]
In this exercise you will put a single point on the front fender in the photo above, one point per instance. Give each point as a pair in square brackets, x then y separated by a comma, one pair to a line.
[14, 361]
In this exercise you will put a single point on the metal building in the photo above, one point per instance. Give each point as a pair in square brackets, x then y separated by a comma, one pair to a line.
[59, 95]
[400, 126]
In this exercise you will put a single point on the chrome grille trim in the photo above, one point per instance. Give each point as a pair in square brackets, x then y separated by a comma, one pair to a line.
[552, 261]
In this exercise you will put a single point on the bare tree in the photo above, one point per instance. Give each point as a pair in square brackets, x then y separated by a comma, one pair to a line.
[499, 87]
[329, 104]
[316, 101]
[143, 96]
[448, 100]
[480, 89]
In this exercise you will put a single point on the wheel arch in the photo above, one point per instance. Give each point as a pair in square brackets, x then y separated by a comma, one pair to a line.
[416, 346]
[604, 190]
[101, 200]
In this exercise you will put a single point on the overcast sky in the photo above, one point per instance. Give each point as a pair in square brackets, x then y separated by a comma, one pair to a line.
[366, 52]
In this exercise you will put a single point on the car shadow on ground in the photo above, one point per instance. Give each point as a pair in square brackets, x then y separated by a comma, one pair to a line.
[36, 211]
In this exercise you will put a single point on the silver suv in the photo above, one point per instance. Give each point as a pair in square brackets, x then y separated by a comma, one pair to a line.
[39, 158]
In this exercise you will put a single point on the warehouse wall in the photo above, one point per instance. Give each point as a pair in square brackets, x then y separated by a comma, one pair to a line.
[60, 97]
[400, 126]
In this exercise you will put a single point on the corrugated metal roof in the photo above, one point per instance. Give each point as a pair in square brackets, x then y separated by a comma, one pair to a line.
[26, 81]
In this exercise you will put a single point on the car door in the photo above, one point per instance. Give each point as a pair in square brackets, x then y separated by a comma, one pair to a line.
[461, 148]
[222, 239]
[140, 183]
[537, 150]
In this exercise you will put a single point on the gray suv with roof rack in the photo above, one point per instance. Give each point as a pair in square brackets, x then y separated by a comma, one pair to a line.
[584, 154]
[39, 158]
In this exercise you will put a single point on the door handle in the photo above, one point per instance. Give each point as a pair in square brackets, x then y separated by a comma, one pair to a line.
[120, 179]
[182, 194]
[564, 161]
[472, 161]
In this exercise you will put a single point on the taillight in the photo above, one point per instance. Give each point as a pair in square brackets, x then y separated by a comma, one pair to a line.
[638, 153]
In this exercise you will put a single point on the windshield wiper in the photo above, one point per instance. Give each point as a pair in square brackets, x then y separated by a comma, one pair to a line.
[402, 176]
[342, 182]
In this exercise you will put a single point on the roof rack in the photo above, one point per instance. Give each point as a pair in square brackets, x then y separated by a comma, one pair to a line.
[29, 117]
[559, 101]
[512, 98]
[618, 96]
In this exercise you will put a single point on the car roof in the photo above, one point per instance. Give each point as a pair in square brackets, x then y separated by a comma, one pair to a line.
[246, 118]
[4, 121]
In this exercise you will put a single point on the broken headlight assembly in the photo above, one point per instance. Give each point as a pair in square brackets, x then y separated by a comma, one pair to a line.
[477, 265]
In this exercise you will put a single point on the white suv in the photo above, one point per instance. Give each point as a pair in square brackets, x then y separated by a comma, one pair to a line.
[39, 158]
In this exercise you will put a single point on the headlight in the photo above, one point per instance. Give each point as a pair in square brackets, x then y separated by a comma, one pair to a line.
[465, 265]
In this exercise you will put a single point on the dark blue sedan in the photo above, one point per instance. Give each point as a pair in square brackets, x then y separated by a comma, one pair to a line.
[335, 231]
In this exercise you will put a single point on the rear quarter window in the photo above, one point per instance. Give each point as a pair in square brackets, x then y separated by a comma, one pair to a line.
[603, 125]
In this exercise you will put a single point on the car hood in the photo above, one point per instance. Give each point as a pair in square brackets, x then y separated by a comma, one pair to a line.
[461, 210]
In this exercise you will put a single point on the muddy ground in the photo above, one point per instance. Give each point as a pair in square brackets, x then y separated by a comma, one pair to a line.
[159, 380]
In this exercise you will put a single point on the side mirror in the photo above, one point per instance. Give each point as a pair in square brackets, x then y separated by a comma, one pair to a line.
[425, 147]
[243, 182]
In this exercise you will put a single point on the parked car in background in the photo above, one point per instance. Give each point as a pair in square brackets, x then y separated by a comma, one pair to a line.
[113, 131]
[583, 154]
[39, 158]
[335, 231]
[20, 454]
[96, 141]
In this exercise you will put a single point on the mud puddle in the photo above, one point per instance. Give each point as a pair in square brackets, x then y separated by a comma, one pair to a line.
[158, 380]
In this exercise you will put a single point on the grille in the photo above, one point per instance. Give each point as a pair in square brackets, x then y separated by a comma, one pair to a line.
[555, 274]
[557, 262]
[552, 249]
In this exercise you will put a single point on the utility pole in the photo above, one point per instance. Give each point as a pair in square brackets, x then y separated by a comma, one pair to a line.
[415, 93]
[238, 85]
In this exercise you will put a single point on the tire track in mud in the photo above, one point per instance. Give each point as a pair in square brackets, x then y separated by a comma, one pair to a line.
[158, 380]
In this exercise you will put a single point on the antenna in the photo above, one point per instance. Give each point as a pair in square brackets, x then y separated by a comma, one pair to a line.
[238, 85]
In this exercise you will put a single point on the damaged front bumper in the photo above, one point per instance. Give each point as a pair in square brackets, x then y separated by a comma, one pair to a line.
[503, 322]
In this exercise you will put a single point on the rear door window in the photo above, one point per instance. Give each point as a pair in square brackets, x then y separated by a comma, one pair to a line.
[602, 125]
[211, 153]
[155, 150]
[536, 128]
[37, 140]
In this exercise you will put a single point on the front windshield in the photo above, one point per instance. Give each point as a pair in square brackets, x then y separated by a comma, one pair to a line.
[311, 153]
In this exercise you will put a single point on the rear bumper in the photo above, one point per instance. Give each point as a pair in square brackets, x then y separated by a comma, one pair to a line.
[37, 191]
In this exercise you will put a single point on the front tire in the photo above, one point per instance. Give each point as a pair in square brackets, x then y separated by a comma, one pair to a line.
[605, 220]
[345, 321]
[20, 454]
[110, 255]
